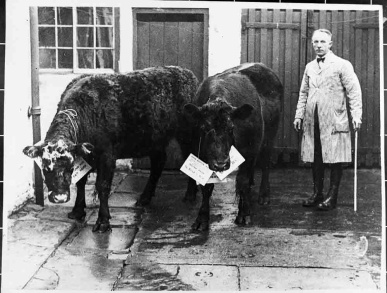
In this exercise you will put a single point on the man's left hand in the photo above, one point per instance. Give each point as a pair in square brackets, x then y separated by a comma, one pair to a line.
[356, 124]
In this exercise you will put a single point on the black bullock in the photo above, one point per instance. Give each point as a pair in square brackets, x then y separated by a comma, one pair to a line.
[241, 107]
[110, 116]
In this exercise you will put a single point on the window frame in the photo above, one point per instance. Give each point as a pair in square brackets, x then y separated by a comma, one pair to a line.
[75, 69]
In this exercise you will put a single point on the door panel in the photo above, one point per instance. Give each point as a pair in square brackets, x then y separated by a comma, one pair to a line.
[171, 37]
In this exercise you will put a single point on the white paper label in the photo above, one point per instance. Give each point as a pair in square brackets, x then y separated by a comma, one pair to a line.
[196, 169]
[215, 179]
[202, 174]
[235, 160]
[81, 167]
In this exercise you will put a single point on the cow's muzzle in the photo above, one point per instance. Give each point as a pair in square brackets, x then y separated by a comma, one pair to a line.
[59, 197]
[220, 166]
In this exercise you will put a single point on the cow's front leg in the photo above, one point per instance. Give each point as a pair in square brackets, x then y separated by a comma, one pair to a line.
[105, 173]
[78, 212]
[192, 188]
[190, 194]
[243, 191]
[203, 218]
[158, 159]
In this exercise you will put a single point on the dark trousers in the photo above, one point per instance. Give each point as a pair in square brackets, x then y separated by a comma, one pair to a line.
[318, 165]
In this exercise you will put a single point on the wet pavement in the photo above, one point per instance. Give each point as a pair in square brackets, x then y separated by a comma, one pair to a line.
[288, 247]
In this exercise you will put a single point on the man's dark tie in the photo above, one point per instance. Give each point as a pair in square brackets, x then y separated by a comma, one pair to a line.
[320, 59]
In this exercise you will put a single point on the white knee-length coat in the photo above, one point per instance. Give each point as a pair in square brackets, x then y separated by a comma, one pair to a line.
[327, 86]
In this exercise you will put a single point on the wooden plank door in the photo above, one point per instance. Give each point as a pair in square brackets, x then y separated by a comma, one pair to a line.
[170, 37]
[276, 37]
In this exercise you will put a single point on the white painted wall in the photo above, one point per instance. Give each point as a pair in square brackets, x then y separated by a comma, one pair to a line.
[224, 38]
[224, 52]
[18, 170]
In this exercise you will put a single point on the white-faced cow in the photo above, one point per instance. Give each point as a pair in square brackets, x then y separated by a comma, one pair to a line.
[110, 116]
[241, 107]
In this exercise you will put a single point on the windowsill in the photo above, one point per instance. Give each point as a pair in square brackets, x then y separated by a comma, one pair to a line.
[75, 71]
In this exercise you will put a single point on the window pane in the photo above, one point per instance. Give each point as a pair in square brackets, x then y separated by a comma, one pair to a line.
[104, 15]
[65, 16]
[85, 58]
[65, 37]
[46, 15]
[85, 37]
[46, 37]
[47, 58]
[105, 37]
[65, 58]
[85, 15]
[104, 58]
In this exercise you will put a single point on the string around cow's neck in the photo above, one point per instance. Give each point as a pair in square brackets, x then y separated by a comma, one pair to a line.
[71, 114]
[200, 142]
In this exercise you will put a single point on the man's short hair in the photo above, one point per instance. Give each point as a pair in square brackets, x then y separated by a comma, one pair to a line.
[323, 30]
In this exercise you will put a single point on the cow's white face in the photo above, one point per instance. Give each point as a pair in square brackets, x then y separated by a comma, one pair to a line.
[53, 152]
[57, 166]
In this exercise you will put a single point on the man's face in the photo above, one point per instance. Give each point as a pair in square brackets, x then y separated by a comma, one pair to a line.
[321, 43]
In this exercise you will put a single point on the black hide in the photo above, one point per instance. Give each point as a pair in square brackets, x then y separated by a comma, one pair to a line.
[121, 116]
[241, 107]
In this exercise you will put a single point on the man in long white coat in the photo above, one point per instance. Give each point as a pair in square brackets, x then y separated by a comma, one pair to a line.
[322, 115]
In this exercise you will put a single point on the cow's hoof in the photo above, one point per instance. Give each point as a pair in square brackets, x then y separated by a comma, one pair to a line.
[243, 221]
[264, 201]
[102, 227]
[76, 216]
[200, 226]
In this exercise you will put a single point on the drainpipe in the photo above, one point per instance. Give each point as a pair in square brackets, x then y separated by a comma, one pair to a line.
[35, 109]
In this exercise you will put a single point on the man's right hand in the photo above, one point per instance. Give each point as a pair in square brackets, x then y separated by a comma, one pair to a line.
[297, 124]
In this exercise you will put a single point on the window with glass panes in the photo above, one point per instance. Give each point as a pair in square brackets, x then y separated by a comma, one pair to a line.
[76, 37]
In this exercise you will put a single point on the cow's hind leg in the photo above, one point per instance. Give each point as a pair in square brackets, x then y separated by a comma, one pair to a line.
[105, 173]
[264, 190]
[158, 159]
[203, 218]
[78, 212]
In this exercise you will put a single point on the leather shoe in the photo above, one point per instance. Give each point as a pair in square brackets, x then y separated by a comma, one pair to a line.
[313, 201]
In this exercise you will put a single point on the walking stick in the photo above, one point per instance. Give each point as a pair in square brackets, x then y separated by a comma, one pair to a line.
[355, 179]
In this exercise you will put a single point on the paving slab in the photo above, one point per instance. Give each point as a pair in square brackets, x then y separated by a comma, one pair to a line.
[74, 270]
[286, 279]
[20, 262]
[59, 213]
[38, 232]
[157, 277]
[123, 199]
[119, 239]
[254, 247]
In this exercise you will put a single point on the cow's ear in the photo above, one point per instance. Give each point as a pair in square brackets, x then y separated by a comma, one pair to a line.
[33, 151]
[242, 112]
[83, 149]
[192, 113]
